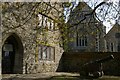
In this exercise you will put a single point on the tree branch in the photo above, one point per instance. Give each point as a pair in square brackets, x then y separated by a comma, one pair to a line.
[87, 15]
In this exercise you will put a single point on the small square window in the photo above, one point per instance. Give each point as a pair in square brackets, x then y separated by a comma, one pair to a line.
[46, 52]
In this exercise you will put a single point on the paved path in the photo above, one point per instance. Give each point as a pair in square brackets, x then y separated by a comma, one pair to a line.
[38, 76]
[52, 76]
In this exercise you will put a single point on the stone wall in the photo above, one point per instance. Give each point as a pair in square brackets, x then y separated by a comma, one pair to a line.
[0, 43]
[73, 62]
[111, 38]
[86, 26]
[30, 36]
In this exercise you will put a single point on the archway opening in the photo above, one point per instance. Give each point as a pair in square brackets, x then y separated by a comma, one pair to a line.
[12, 55]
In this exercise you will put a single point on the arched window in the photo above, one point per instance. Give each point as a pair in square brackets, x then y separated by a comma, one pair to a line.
[112, 47]
[81, 41]
[118, 48]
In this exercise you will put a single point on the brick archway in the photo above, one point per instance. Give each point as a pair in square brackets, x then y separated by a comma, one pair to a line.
[12, 55]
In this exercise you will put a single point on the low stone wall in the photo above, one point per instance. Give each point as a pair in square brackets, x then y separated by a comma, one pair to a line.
[72, 62]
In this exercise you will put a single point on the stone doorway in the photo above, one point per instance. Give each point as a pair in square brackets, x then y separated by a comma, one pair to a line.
[12, 55]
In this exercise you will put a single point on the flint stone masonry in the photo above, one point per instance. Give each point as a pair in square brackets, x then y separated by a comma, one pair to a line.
[28, 37]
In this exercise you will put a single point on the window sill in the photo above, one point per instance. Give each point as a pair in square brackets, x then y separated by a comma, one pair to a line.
[81, 47]
[46, 61]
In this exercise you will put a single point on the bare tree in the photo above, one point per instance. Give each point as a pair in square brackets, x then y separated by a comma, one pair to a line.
[44, 9]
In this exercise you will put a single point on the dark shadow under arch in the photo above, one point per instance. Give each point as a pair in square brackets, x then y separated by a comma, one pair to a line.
[12, 55]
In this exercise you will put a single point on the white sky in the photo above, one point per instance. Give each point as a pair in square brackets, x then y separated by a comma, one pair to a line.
[109, 24]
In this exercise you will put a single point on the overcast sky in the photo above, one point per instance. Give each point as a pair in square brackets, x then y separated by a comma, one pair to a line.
[109, 23]
[112, 12]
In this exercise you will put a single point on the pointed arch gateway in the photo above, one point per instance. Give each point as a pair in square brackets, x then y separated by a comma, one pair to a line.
[12, 55]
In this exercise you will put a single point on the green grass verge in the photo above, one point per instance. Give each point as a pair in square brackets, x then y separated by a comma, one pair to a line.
[81, 78]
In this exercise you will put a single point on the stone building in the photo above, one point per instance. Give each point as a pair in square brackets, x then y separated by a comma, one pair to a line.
[113, 39]
[87, 33]
[30, 43]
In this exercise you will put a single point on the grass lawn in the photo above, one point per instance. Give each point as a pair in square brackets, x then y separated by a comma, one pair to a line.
[81, 78]
[110, 78]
